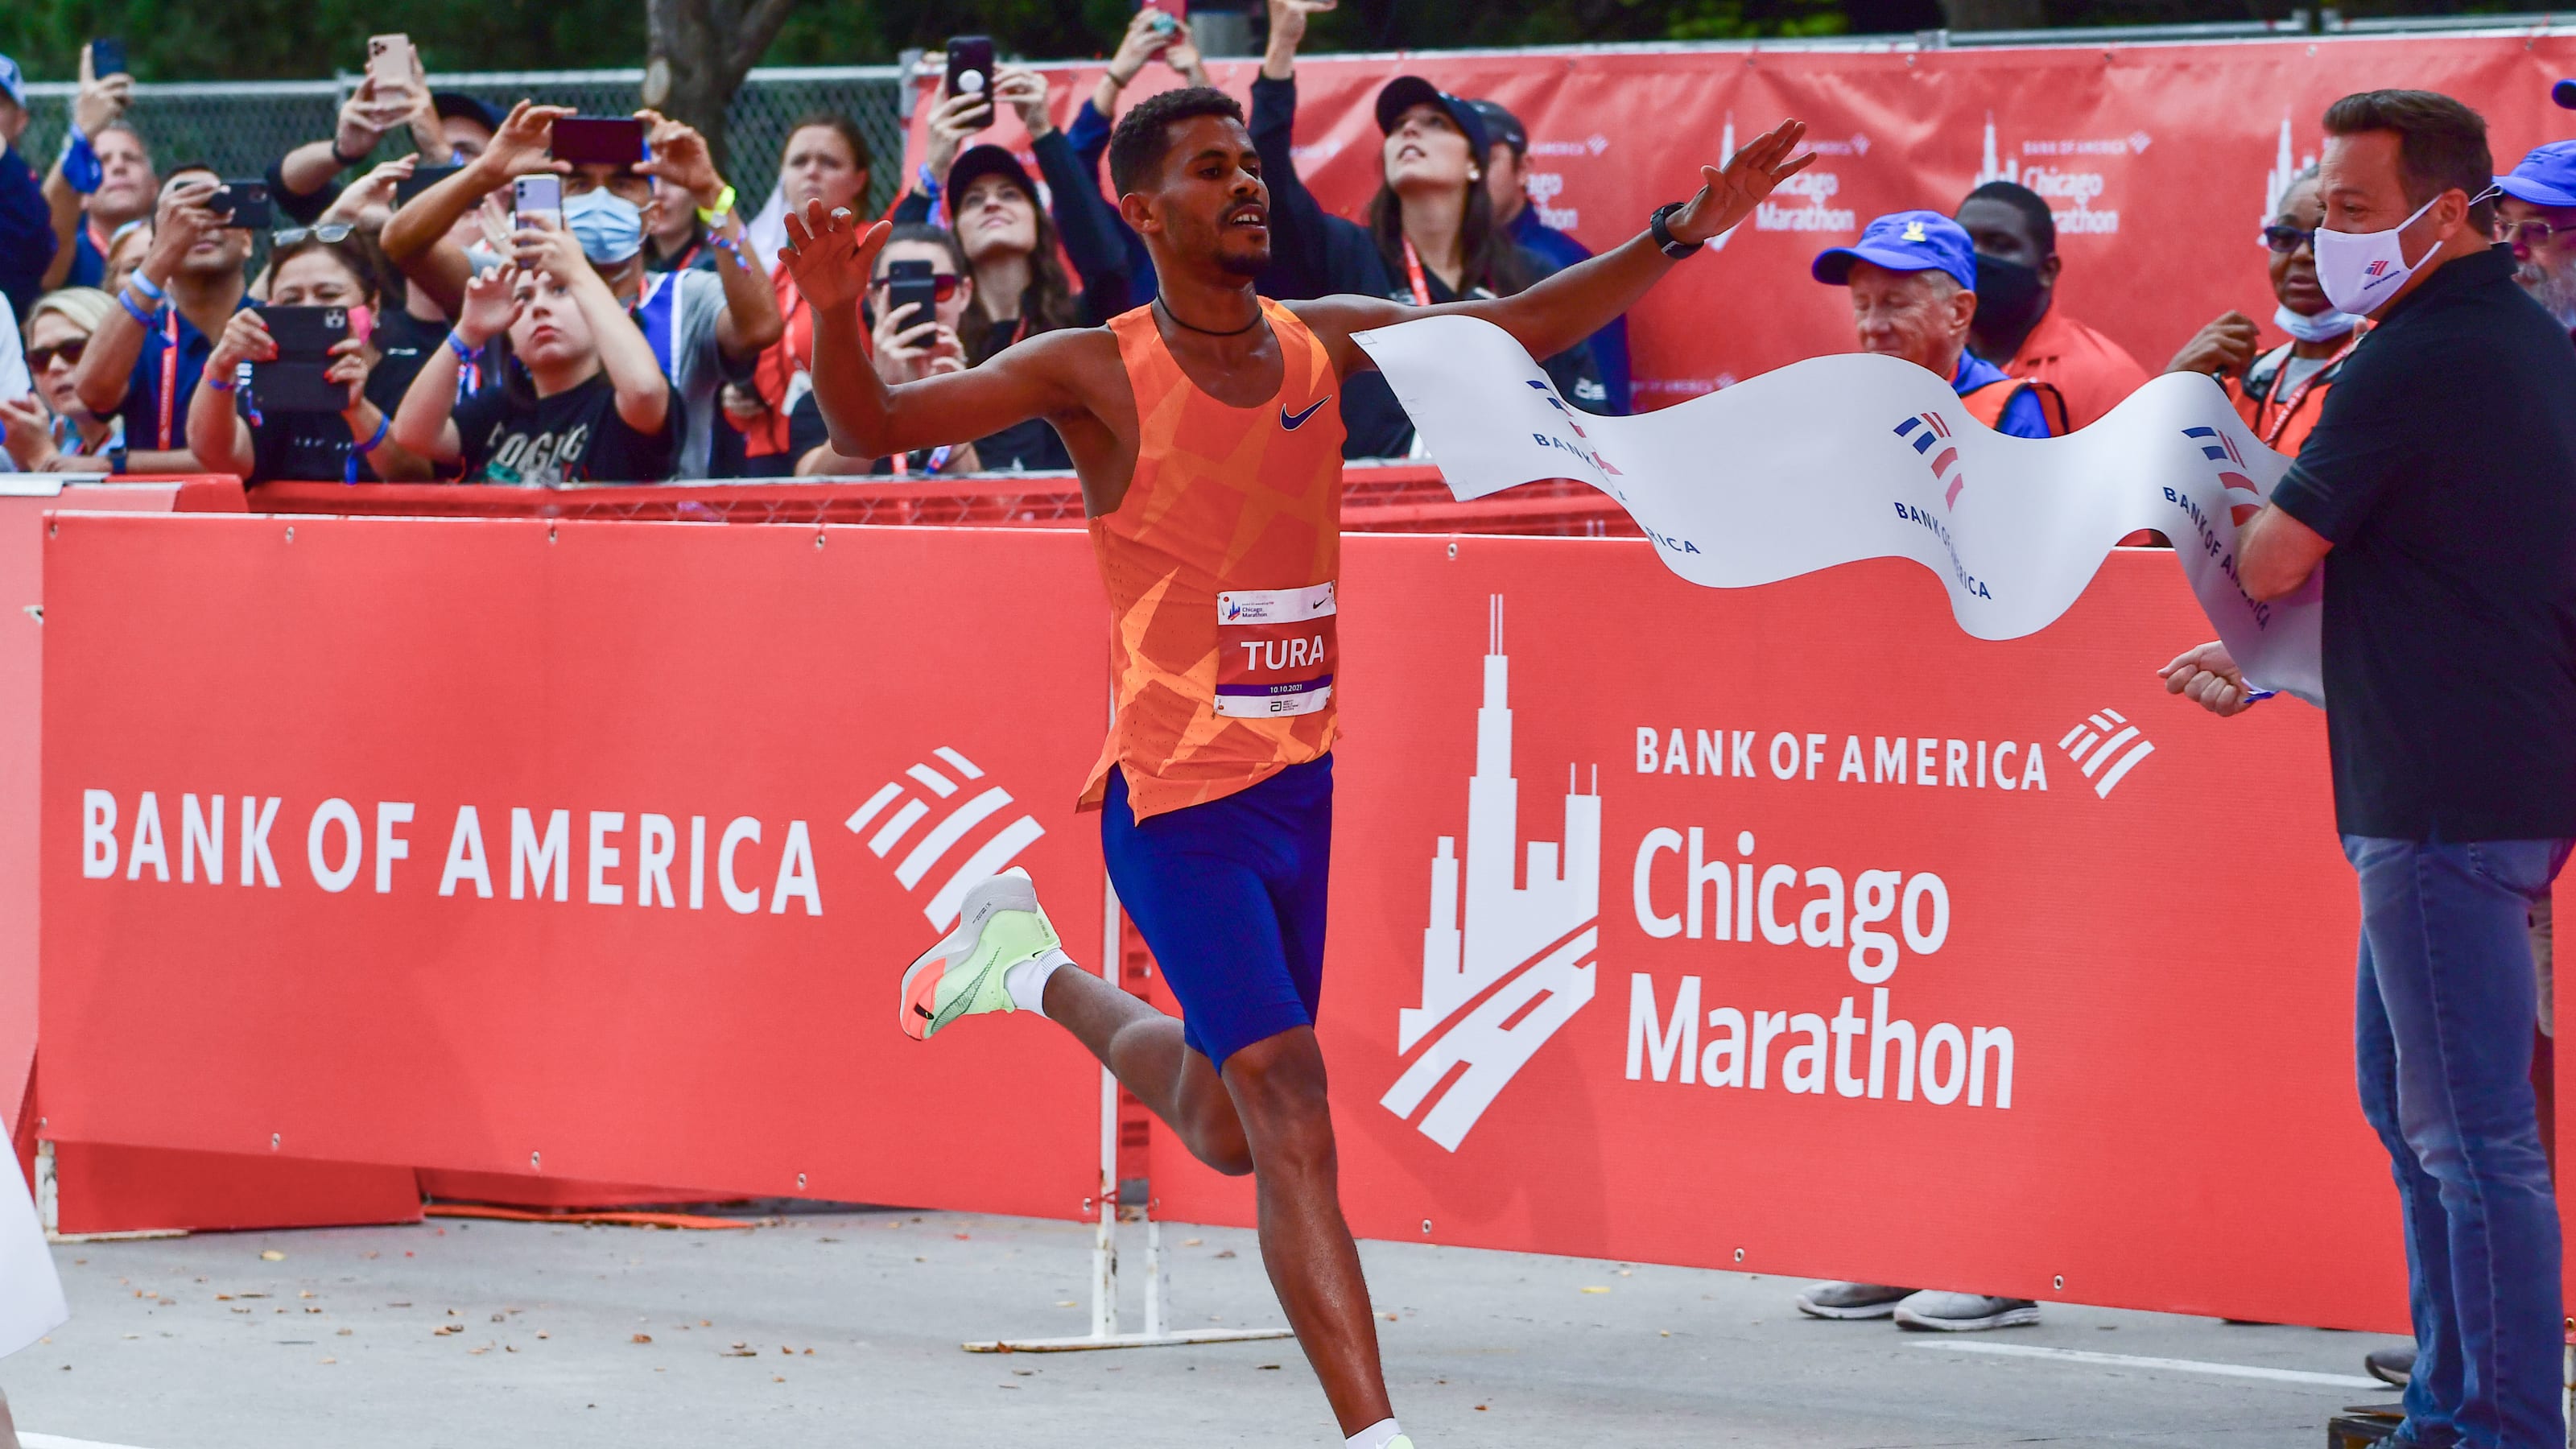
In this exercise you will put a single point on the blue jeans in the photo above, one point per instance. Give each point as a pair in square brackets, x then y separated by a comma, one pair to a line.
[2448, 1003]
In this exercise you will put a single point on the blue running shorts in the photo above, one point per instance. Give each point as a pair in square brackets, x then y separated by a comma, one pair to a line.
[1230, 896]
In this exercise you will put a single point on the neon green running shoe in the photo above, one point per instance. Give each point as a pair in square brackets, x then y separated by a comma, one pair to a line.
[1000, 927]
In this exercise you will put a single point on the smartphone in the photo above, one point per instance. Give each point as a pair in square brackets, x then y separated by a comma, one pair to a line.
[615, 140]
[970, 73]
[293, 382]
[389, 60]
[107, 58]
[421, 179]
[243, 205]
[536, 196]
[912, 287]
[1176, 9]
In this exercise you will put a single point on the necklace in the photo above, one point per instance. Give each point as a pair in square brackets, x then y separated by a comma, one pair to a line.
[1208, 331]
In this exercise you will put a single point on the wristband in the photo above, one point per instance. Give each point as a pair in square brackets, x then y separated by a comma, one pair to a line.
[143, 319]
[1671, 246]
[147, 288]
[218, 384]
[82, 170]
[348, 161]
[465, 353]
[349, 472]
[715, 215]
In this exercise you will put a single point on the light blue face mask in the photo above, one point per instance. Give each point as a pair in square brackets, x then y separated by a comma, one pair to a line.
[609, 227]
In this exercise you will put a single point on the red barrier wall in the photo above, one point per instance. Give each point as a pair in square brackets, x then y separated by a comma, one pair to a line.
[2172, 956]
[2159, 159]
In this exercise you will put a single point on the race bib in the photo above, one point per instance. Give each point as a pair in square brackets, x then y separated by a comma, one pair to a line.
[1276, 651]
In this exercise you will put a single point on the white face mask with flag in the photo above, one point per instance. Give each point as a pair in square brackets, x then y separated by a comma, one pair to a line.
[2361, 270]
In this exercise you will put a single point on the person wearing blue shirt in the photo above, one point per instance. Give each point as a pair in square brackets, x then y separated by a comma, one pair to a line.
[1913, 281]
[143, 362]
[1505, 178]
[26, 224]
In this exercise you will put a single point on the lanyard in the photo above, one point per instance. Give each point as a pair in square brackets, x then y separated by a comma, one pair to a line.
[2289, 406]
[169, 371]
[1413, 271]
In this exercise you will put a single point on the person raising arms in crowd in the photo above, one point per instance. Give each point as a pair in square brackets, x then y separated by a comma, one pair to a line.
[1516, 211]
[1211, 470]
[702, 328]
[2019, 327]
[444, 127]
[1151, 35]
[2281, 393]
[1431, 236]
[102, 180]
[308, 267]
[906, 347]
[145, 358]
[825, 159]
[581, 398]
[50, 432]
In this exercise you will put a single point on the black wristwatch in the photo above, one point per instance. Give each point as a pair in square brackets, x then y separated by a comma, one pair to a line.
[348, 161]
[1672, 246]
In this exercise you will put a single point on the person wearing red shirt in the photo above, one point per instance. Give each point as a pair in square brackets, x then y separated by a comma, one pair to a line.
[2018, 327]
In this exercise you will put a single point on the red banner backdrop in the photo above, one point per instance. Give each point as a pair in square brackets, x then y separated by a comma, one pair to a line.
[581, 851]
[1782, 928]
[2161, 162]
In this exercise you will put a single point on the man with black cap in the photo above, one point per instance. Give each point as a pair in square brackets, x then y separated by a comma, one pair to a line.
[446, 128]
[1432, 236]
[1507, 181]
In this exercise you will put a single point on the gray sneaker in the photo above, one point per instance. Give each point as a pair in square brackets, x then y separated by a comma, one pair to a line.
[1851, 1300]
[1964, 1312]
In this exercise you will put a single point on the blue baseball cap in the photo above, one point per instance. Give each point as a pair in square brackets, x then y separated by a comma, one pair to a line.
[1407, 91]
[2546, 177]
[1905, 241]
[13, 81]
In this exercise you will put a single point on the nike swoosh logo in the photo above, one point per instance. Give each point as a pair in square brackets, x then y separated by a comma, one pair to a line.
[1292, 422]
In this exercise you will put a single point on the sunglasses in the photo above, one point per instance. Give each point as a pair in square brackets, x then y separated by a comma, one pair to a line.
[943, 285]
[2287, 239]
[329, 233]
[40, 358]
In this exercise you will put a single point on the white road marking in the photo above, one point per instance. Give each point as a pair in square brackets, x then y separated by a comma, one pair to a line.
[2172, 1365]
[56, 1441]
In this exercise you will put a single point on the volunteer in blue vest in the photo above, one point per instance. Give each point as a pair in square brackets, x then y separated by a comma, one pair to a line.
[1913, 281]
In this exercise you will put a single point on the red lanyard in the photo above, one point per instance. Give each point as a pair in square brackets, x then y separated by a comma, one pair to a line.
[169, 372]
[1413, 270]
[2289, 406]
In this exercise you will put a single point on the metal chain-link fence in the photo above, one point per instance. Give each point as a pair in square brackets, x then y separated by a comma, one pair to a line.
[240, 128]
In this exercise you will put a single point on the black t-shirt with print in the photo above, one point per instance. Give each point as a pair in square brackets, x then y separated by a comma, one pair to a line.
[315, 447]
[574, 436]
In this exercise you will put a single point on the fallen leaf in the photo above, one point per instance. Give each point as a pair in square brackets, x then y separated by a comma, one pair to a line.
[1627, 1273]
[1596, 1290]
[274, 1256]
[223, 1298]
[1189, 1242]
[305, 1293]
[344, 1333]
[641, 1338]
[1228, 1253]
[1667, 1333]
[1269, 1366]
[545, 1335]
[444, 1329]
[1066, 1303]
[500, 1318]
[739, 1352]
[961, 1237]
[1480, 1408]
[777, 1378]
[330, 1360]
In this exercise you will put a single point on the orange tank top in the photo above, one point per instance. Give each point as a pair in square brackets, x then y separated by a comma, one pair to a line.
[1223, 567]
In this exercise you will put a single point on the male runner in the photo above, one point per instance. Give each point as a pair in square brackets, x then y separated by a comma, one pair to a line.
[1211, 471]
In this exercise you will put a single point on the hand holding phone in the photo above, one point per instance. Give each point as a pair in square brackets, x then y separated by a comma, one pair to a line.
[107, 58]
[307, 342]
[912, 293]
[243, 205]
[970, 73]
[599, 140]
[536, 202]
[390, 62]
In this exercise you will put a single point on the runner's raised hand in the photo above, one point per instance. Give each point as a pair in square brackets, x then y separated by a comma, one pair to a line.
[1729, 193]
[831, 254]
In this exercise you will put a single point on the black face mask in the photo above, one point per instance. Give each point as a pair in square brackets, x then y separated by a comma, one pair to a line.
[2008, 293]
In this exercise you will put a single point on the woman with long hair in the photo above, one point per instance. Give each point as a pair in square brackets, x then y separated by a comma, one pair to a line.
[825, 159]
[330, 266]
[1431, 234]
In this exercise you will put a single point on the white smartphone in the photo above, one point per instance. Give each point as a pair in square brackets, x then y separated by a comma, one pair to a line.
[389, 60]
[536, 196]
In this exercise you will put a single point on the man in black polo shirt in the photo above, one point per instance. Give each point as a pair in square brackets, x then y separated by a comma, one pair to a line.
[2442, 479]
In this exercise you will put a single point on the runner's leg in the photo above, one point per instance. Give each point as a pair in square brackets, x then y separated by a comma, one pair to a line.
[1145, 1051]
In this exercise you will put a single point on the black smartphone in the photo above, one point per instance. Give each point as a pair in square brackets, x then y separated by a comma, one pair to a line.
[421, 179]
[970, 73]
[107, 58]
[243, 204]
[613, 140]
[294, 381]
[912, 287]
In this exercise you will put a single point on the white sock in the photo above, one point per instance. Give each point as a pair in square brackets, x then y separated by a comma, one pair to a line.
[1027, 981]
[1375, 1436]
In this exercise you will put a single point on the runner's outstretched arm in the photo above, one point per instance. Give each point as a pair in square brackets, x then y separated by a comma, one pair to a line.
[1575, 303]
[831, 258]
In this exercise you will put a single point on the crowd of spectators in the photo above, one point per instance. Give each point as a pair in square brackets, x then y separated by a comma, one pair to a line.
[474, 352]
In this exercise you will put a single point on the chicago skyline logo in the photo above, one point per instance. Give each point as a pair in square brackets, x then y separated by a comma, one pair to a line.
[2070, 193]
[1500, 979]
[986, 860]
[2286, 166]
[2102, 734]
